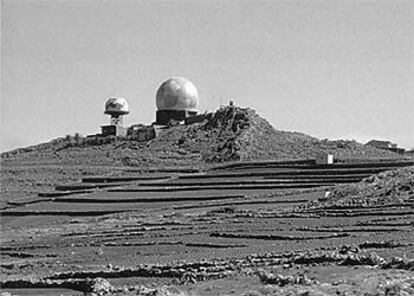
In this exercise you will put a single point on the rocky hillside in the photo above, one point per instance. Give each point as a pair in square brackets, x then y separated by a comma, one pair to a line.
[394, 187]
[231, 134]
[247, 136]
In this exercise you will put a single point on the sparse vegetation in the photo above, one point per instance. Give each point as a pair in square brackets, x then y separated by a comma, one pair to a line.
[230, 134]
[255, 242]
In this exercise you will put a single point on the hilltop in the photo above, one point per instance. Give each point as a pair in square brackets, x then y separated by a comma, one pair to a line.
[230, 134]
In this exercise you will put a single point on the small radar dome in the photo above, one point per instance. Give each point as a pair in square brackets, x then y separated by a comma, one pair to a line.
[177, 94]
[116, 106]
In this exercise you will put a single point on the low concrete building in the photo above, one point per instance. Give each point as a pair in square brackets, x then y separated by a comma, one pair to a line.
[113, 130]
[409, 153]
[381, 144]
[142, 133]
[386, 145]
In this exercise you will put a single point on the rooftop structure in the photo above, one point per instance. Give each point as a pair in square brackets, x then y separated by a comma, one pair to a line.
[176, 99]
[116, 108]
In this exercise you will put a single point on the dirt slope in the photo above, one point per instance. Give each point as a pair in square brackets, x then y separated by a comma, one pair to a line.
[394, 187]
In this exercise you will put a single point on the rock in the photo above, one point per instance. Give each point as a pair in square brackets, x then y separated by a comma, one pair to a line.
[345, 249]
[100, 286]
[280, 280]
[144, 291]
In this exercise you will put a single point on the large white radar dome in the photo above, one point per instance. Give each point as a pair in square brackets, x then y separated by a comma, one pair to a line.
[116, 106]
[177, 94]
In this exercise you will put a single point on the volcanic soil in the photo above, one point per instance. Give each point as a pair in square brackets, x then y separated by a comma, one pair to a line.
[232, 207]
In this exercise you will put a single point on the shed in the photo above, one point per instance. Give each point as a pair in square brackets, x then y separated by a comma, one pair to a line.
[324, 158]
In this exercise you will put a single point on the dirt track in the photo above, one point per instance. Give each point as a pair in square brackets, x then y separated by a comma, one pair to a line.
[204, 241]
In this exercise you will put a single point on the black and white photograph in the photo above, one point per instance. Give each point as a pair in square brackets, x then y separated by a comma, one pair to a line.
[207, 148]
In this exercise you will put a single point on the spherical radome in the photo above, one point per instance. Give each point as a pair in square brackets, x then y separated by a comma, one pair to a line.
[116, 106]
[177, 94]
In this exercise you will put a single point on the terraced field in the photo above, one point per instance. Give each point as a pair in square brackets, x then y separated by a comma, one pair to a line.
[260, 228]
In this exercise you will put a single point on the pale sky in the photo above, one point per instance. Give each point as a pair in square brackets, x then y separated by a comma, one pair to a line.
[331, 69]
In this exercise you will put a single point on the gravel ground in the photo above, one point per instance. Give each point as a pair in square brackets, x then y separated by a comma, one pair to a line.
[353, 239]
[255, 246]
